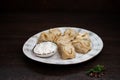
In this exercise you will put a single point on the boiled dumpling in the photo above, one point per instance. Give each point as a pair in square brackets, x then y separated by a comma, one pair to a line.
[70, 33]
[83, 36]
[51, 35]
[63, 40]
[82, 43]
[56, 32]
[44, 36]
[67, 51]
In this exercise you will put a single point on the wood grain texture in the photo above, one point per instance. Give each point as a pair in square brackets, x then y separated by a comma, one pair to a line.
[17, 28]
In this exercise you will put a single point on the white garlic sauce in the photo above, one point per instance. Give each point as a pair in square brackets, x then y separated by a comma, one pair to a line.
[45, 48]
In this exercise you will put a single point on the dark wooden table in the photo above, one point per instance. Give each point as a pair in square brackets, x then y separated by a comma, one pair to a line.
[15, 29]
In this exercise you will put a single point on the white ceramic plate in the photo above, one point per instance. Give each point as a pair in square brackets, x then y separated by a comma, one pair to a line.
[97, 45]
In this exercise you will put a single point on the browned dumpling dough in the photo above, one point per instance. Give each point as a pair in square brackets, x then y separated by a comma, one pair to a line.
[70, 33]
[52, 35]
[67, 51]
[82, 43]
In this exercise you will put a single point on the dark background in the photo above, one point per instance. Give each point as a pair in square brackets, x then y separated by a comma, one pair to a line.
[33, 6]
[20, 19]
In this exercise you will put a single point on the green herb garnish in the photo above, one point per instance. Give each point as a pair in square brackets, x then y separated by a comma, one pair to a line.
[96, 71]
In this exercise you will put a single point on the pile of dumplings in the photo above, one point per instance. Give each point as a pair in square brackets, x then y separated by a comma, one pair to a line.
[68, 42]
